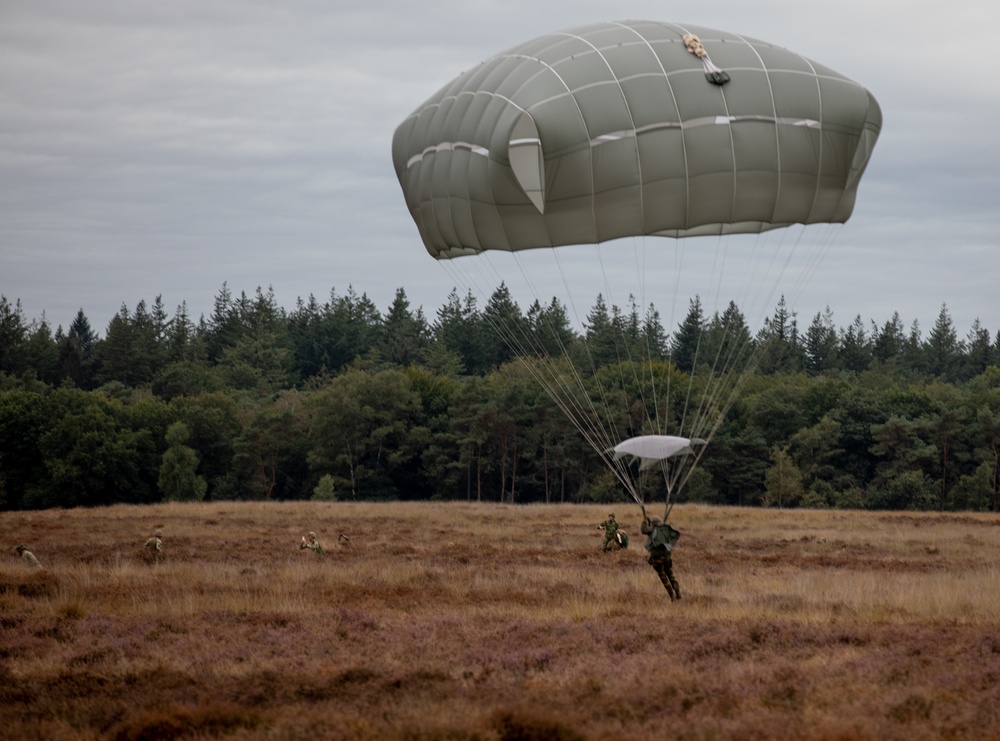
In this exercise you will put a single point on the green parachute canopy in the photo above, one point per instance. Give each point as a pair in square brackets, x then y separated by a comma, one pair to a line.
[616, 129]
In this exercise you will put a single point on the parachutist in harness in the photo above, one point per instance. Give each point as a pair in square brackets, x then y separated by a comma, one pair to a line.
[586, 158]
[660, 541]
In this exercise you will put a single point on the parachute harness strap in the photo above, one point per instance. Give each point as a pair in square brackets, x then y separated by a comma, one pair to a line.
[712, 73]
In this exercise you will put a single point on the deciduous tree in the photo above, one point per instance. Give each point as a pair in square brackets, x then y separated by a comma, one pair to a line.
[179, 480]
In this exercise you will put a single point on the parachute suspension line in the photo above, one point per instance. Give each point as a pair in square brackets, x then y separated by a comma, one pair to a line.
[604, 426]
[724, 374]
[731, 373]
[720, 367]
[721, 364]
[828, 236]
[597, 433]
[711, 386]
[636, 367]
[657, 423]
[735, 363]
[562, 382]
[693, 372]
[610, 430]
[660, 421]
[737, 354]
[639, 253]
[622, 346]
[678, 263]
[716, 381]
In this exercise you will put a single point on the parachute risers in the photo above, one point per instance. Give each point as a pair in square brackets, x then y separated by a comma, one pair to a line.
[651, 449]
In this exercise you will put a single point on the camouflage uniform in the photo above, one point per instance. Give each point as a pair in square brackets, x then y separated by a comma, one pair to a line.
[660, 542]
[610, 527]
[28, 556]
[154, 544]
[312, 544]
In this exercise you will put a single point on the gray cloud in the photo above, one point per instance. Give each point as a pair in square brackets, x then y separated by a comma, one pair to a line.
[167, 148]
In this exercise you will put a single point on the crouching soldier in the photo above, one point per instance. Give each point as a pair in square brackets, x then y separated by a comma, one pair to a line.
[154, 545]
[28, 557]
[660, 541]
[312, 544]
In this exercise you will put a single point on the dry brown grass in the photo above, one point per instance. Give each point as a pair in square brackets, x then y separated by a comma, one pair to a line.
[462, 621]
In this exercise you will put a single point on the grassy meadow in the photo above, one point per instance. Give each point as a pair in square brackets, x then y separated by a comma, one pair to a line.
[484, 621]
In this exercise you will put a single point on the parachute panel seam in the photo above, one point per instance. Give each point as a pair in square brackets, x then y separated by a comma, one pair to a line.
[774, 108]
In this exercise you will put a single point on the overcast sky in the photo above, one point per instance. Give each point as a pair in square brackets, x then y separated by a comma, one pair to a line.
[167, 148]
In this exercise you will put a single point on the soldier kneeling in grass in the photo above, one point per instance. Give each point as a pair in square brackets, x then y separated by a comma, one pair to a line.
[311, 544]
[27, 556]
[152, 549]
[155, 544]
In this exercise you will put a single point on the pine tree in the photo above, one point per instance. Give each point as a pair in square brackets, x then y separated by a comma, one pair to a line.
[459, 330]
[13, 337]
[601, 340]
[979, 354]
[780, 349]
[855, 349]
[730, 347]
[404, 336]
[181, 337]
[685, 344]
[116, 359]
[943, 350]
[260, 357]
[821, 343]
[76, 349]
[549, 328]
[223, 326]
[913, 351]
[628, 327]
[503, 316]
[654, 336]
[889, 342]
[41, 352]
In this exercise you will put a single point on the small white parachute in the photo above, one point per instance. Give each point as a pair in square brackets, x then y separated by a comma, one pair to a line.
[651, 449]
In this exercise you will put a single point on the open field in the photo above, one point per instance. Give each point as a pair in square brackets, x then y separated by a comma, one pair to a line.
[465, 621]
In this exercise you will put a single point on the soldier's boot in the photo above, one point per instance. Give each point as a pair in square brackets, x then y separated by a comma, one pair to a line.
[670, 590]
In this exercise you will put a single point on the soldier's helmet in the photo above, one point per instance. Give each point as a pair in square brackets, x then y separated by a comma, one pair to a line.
[312, 534]
[611, 515]
[656, 519]
[158, 534]
[21, 548]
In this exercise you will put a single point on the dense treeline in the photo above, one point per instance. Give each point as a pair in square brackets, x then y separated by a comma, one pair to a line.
[338, 400]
